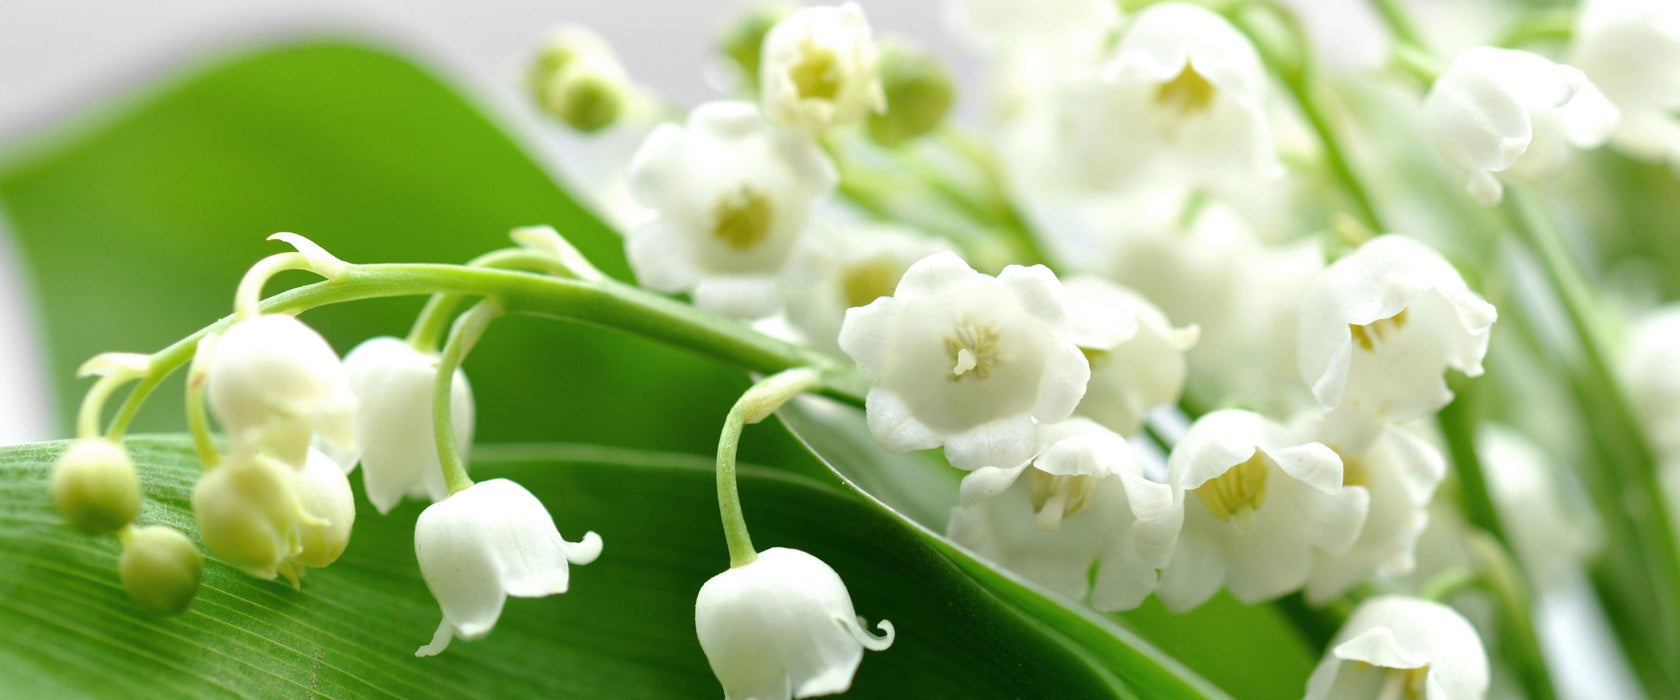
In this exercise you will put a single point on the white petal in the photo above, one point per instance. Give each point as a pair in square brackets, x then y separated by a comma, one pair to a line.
[893, 425]
[738, 297]
[938, 274]
[1002, 441]
[867, 332]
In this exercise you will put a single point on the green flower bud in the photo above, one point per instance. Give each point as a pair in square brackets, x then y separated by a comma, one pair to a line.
[249, 515]
[325, 495]
[94, 485]
[160, 568]
[919, 93]
[742, 40]
[586, 99]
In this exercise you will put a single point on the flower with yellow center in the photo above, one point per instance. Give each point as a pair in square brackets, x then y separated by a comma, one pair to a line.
[1394, 647]
[1264, 502]
[1136, 355]
[964, 360]
[860, 263]
[820, 68]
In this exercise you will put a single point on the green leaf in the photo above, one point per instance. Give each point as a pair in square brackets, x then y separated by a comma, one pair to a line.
[137, 223]
[625, 630]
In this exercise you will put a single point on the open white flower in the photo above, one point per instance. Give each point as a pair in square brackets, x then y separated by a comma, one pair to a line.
[967, 361]
[1083, 500]
[1630, 49]
[393, 384]
[820, 68]
[1380, 327]
[732, 197]
[782, 627]
[1394, 646]
[483, 544]
[1136, 355]
[275, 383]
[862, 263]
[1257, 504]
[1400, 471]
[1514, 114]
[1182, 98]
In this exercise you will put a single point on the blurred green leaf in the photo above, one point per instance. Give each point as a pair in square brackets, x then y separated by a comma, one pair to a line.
[137, 223]
[625, 630]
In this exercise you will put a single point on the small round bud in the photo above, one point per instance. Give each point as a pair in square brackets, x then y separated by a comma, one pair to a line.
[742, 40]
[160, 567]
[94, 485]
[919, 93]
[325, 495]
[249, 515]
[585, 97]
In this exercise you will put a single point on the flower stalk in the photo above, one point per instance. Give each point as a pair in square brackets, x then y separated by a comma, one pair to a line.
[761, 400]
[468, 328]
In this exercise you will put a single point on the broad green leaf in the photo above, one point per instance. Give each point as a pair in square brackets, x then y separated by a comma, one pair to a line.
[136, 224]
[625, 630]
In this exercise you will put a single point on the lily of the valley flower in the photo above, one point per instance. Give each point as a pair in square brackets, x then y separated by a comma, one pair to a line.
[1393, 647]
[1136, 355]
[1379, 328]
[967, 361]
[1257, 504]
[820, 68]
[324, 494]
[1400, 471]
[782, 627]
[1513, 114]
[1630, 49]
[249, 514]
[274, 383]
[732, 197]
[863, 262]
[485, 543]
[393, 384]
[1083, 500]
[1182, 96]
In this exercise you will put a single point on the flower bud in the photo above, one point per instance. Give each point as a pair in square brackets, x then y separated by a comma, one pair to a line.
[820, 68]
[249, 514]
[95, 487]
[324, 493]
[743, 38]
[919, 92]
[275, 384]
[577, 78]
[160, 567]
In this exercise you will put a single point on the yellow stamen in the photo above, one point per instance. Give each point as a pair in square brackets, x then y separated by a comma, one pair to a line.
[973, 351]
[1189, 93]
[1368, 335]
[1235, 495]
[743, 218]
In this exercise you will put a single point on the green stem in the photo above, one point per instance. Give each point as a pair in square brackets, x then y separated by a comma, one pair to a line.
[1457, 422]
[1633, 465]
[198, 422]
[1505, 580]
[462, 336]
[1556, 24]
[93, 404]
[1398, 24]
[434, 317]
[759, 401]
[249, 292]
[604, 303]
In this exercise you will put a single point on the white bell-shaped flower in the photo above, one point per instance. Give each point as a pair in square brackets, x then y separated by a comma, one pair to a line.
[324, 493]
[1182, 98]
[1136, 355]
[1083, 500]
[1513, 114]
[393, 384]
[1400, 471]
[1394, 646]
[1257, 504]
[820, 68]
[1379, 328]
[1010, 24]
[732, 199]
[249, 514]
[968, 361]
[1630, 49]
[782, 627]
[1650, 369]
[862, 263]
[275, 383]
[485, 543]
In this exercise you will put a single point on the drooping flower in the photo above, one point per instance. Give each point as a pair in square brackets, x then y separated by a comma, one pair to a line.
[862, 263]
[1181, 98]
[1082, 501]
[276, 384]
[1514, 114]
[1394, 646]
[249, 514]
[960, 359]
[1630, 49]
[1257, 504]
[393, 384]
[782, 627]
[1136, 355]
[1400, 471]
[324, 494]
[485, 543]
[732, 197]
[1379, 328]
[820, 68]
